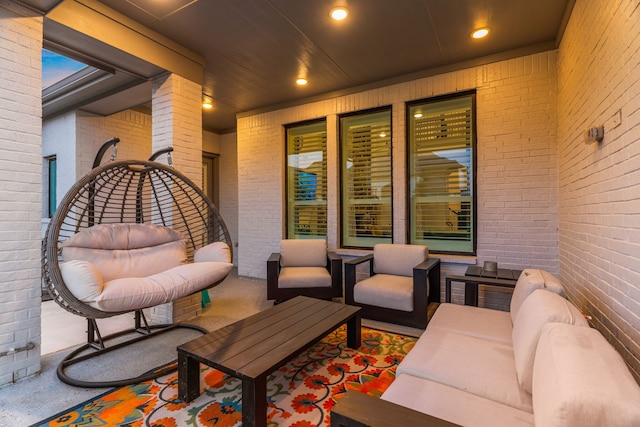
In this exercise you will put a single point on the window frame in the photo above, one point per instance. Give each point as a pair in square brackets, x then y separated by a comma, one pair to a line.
[52, 205]
[343, 221]
[288, 231]
[474, 165]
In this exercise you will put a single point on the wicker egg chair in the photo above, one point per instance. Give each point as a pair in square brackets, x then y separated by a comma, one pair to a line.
[125, 192]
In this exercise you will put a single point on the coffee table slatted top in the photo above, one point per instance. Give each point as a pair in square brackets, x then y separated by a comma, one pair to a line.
[251, 347]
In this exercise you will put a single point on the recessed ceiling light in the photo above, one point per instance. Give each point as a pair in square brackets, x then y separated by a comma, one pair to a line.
[301, 81]
[417, 115]
[480, 33]
[339, 13]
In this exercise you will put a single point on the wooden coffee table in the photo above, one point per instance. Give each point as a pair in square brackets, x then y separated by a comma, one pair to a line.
[252, 348]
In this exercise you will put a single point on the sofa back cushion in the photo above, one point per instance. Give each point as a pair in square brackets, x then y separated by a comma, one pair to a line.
[540, 308]
[303, 253]
[127, 250]
[531, 279]
[580, 380]
[398, 259]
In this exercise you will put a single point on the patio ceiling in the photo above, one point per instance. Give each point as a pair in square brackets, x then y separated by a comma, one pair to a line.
[255, 49]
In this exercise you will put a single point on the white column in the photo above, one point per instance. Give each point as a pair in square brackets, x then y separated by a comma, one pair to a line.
[20, 191]
[177, 122]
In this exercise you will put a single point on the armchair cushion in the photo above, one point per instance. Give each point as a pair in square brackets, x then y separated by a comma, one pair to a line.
[384, 290]
[303, 253]
[397, 259]
[216, 251]
[304, 277]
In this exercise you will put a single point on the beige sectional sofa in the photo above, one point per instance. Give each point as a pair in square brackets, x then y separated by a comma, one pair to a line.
[539, 364]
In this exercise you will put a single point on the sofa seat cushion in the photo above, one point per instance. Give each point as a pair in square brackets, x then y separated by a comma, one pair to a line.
[493, 325]
[539, 308]
[304, 277]
[481, 367]
[452, 404]
[133, 293]
[384, 290]
[580, 380]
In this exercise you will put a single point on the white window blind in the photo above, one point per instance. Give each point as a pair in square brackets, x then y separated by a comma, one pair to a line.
[307, 181]
[441, 174]
[366, 179]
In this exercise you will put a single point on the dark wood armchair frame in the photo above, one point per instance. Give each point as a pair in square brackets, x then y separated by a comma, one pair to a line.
[426, 289]
[334, 266]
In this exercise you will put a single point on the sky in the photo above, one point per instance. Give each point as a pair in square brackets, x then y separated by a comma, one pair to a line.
[56, 67]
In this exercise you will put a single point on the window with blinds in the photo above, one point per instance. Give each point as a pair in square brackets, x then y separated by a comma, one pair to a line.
[441, 174]
[306, 177]
[365, 141]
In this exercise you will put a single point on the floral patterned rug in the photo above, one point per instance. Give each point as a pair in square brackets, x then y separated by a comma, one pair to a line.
[300, 394]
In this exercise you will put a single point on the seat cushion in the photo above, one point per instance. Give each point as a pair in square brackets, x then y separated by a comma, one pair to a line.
[481, 367]
[493, 325]
[216, 251]
[384, 290]
[452, 404]
[580, 380]
[303, 253]
[304, 277]
[135, 293]
[539, 308]
[397, 259]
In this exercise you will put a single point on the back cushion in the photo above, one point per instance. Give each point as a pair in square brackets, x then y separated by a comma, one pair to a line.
[580, 380]
[530, 279]
[122, 236]
[119, 264]
[303, 253]
[397, 259]
[127, 250]
[540, 308]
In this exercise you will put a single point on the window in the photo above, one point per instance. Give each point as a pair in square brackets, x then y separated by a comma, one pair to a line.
[441, 173]
[306, 177]
[51, 183]
[365, 141]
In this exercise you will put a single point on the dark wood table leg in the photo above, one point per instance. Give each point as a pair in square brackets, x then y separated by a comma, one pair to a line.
[354, 332]
[471, 294]
[188, 377]
[254, 402]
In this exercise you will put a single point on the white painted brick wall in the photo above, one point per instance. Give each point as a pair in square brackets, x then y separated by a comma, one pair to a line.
[177, 122]
[228, 175]
[20, 189]
[517, 173]
[599, 185]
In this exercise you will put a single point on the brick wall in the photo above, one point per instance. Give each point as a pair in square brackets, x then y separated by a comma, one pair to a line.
[517, 164]
[228, 176]
[20, 191]
[599, 185]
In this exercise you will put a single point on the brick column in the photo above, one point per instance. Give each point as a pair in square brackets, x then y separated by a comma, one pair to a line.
[177, 122]
[20, 191]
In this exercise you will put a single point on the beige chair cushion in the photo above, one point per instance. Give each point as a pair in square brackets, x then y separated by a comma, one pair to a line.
[304, 277]
[580, 380]
[303, 253]
[122, 263]
[133, 293]
[397, 259]
[122, 236]
[83, 279]
[452, 404]
[383, 290]
[216, 251]
[539, 308]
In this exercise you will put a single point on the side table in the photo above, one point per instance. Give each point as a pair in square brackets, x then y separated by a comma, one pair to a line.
[475, 276]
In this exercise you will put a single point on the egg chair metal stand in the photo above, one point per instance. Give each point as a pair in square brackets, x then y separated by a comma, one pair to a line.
[126, 192]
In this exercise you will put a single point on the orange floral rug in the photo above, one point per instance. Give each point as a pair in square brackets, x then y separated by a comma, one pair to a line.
[300, 394]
